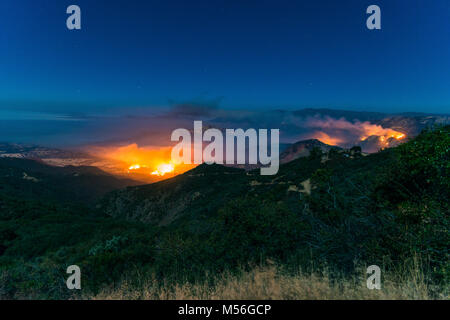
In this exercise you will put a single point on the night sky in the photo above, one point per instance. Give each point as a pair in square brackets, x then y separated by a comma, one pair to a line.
[247, 55]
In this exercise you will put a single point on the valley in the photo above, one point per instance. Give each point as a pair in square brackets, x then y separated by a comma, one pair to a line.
[322, 211]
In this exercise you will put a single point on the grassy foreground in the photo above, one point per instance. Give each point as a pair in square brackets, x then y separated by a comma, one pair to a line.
[271, 282]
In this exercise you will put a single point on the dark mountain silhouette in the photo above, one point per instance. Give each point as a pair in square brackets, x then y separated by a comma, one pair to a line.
[303, 149]
[34, 179]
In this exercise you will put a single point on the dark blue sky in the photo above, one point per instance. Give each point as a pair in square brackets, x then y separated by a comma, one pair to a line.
[247, 54]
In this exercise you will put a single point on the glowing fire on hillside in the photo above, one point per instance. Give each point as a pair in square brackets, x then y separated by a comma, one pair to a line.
[154, 163]
[163, 169]
[136, 167]
[344, 133]
[384, 134]
[141, 163]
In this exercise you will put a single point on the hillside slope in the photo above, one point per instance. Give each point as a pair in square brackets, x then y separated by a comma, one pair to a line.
[337, 212]
[34, 179]
[199, 193]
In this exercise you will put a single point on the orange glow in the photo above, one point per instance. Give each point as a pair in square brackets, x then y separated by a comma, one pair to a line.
[341, 131]
[141, 163]
[134, 167]
[163, 169]
[369, 129]
[325, 138]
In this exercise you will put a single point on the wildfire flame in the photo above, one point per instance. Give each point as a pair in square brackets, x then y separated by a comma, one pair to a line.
[142, 163]
[342, 132]
[163, 169]
[154, 163]
[382, 133]
[325, 138]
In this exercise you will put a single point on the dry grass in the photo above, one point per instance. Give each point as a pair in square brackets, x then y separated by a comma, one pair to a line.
[269, 282]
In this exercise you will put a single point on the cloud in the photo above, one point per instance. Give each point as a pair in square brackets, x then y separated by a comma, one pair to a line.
[152, 127]
[198, 109]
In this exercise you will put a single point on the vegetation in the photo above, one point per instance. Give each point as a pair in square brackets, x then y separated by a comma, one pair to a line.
[213, 230]
[271, 282]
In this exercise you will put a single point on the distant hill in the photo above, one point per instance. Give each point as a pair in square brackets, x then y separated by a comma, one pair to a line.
[303, 149]
[413, 124]
[32, 151]
[34, 179]
[342, 128]
[201, 191]
[336, 113]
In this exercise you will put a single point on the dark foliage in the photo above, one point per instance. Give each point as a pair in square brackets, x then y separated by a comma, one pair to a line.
[334, 212]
